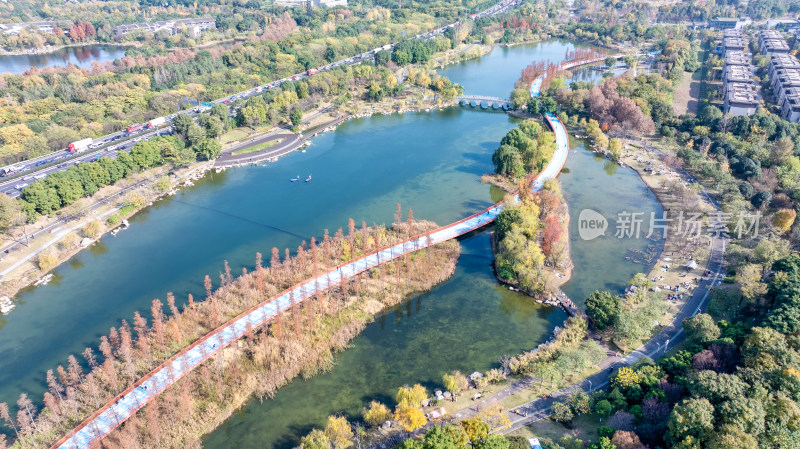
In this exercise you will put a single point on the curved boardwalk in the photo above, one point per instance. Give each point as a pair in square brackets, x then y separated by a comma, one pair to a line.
[116, 411]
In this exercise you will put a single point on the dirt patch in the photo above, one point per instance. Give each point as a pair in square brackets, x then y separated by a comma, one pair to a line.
[687, 94]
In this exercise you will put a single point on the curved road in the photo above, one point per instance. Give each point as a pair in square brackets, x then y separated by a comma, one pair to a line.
[107, 418]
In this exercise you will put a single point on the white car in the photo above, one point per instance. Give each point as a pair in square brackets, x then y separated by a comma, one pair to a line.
[20, 186]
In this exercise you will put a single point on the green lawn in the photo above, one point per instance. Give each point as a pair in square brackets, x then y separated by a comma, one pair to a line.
[585, 426]
[258, 147]
[234, 135]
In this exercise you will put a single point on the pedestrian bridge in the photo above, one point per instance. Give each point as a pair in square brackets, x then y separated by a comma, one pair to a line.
[480, 100]
[124, 405]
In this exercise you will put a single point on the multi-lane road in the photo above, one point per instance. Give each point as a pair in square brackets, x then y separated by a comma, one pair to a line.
[110, 145]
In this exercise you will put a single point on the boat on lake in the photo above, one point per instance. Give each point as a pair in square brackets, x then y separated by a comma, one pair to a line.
[295, 179]
[309, 178]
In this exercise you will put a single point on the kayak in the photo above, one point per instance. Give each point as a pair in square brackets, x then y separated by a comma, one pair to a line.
[295, 179]
[309, 178]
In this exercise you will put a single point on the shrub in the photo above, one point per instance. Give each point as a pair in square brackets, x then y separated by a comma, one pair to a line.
[114, 219]
[376, 414]
[47, 261]
[92, 229]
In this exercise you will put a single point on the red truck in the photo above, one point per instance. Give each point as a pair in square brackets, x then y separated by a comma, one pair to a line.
[133, 128]
[310, 72]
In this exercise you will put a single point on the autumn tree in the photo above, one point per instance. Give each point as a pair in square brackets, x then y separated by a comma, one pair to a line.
[376, 414]
[410, 418]
[411, 396]
[338, 432]
[455, 382]
[784, 219]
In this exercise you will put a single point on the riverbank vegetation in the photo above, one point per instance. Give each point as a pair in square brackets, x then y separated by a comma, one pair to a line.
[49, 108]
[533, 231]
[531, 235]
[298, 341]
[733, 384]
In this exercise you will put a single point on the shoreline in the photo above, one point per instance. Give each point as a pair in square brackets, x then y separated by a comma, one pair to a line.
[34, 276]
[53, 49]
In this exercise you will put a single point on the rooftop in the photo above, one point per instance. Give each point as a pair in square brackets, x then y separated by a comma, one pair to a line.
[736, 57]
[770, 34]
[734, 42]
[738, 73]
[788, 77]
[776, 45]
[793, 98]
[742, 93]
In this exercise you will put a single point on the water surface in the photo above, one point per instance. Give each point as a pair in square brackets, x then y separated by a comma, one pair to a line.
[82, 57]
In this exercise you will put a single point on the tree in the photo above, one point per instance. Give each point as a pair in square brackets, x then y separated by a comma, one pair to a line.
[507, 161]
[603, 408]
[296, 116]
[691, 423]
[316, 439]
[410, 418]
[784, 219]
[615, 148]
[701, 329]
[493, 441]
[377, 414]
[716, 387]
[519, 98]
[411, 396]
[561, 412]
[92, 229]
[505, 219]
[10, 212]
[382, 58]
[746, 414]
[602, 308]
[610, 61]
[749, 278]
[338, 432]
[455, 382]
[625, 439]
[477, 430]
[629, 60]
[208, 149]
[731, 437]
[761, 199]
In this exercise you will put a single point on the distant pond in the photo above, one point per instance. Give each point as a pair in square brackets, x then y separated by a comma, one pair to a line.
[80, 56]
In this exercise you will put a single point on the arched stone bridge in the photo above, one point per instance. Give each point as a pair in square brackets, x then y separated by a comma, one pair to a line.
[479, 100]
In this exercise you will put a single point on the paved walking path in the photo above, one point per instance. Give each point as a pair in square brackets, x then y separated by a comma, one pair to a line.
[291, 142]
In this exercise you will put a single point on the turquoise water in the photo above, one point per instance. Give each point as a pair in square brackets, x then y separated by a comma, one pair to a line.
[430, 162]
[468, 322]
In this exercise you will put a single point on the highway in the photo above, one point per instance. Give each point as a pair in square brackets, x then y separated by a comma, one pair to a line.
[40, 167]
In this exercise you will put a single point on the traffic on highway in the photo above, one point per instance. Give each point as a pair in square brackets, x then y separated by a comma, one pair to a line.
[20, 175]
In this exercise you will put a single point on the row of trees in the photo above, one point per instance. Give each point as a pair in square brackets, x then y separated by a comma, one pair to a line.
[735, 385]
[47, 109]
[61, 189]
[298, 341]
